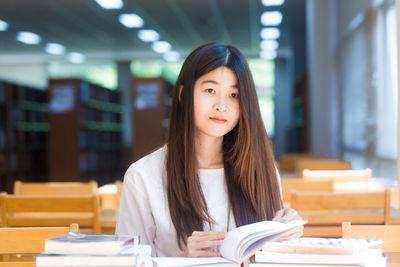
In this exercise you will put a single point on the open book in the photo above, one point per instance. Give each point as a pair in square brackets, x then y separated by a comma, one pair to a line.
[243, 241]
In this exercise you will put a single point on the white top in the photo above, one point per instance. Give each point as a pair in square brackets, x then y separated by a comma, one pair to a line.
[144, 207]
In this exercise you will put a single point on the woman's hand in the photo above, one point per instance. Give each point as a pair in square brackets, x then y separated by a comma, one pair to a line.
[286, 215]
[203, 244]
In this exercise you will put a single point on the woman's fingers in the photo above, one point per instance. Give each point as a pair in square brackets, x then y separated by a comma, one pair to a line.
[204, 244]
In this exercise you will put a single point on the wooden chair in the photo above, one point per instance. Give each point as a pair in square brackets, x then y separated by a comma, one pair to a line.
[31, 211]
[20, 241]
[55, 188]
[339, 176]
[325, 212]
[110, 196]
[389, 234]
[287, 162]
[321, 164]
[300, 185]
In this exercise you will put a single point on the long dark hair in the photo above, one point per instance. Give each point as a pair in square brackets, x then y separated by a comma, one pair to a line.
[250, 173]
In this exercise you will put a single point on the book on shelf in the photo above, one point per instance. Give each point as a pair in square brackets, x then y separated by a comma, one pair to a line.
[77, 243]
[239, 244]
[127, 257]
[320, 252]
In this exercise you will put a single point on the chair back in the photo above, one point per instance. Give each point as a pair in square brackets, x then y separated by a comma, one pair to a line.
[299, 185]
[339, 176]
[321, 164]
[325, 212]
[34, 210]
[389, 234]
[27, 240]
[55, 188]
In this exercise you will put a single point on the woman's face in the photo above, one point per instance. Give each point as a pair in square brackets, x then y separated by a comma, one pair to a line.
[216, 102]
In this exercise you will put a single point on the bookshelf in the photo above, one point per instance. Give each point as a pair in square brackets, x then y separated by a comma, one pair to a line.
[85, 137]
[23, 134]
[151, 102]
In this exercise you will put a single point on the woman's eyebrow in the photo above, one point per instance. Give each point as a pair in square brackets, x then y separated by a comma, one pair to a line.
[217, 83]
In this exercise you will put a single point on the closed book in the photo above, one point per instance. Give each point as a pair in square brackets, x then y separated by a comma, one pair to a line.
[128, 257]
[78, 243]
[360, 258]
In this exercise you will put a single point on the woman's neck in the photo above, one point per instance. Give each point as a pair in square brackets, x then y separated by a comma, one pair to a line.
[209, 152]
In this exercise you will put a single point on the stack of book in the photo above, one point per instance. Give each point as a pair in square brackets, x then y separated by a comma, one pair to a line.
[77, 249]
[320, 252]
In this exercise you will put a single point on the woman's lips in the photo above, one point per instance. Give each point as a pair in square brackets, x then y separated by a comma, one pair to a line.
[218, 120]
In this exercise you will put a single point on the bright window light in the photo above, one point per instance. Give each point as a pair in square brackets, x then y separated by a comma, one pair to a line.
[148, 35]
[3, 25]
[273, 2]
[172, 56]
[28, 38]
[161, 46]
[110, 4]
[269, 45]
[270, 33]
[131, 20]
[55, 49]
[268, 54]
[271, 18]
[76, 58]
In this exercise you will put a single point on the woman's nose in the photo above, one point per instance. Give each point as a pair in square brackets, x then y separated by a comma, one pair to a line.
[220, 105]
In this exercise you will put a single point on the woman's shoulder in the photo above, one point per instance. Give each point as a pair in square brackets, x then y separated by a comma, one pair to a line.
[151, 165]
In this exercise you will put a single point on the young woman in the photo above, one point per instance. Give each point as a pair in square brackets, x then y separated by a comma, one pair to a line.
[216, 171]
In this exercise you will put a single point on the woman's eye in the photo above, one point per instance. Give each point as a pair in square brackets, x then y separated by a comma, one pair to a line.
[209, 90]
[234, 95]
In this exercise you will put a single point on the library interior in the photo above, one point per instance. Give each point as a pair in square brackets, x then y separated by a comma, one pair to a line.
[86, 89]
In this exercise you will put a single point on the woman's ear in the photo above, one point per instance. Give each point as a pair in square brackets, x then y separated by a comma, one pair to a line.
[180, 93]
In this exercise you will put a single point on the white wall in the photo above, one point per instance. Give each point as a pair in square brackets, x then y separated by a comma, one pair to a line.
[398, 106]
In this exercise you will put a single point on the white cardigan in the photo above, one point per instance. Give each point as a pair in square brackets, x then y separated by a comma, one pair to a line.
[144, 207]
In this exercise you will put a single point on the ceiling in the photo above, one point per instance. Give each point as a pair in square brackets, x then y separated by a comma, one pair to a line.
[83, 26]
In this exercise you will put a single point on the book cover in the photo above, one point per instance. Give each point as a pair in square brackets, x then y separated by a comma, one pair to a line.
[78, 243]
[127, 257]
[241, 242]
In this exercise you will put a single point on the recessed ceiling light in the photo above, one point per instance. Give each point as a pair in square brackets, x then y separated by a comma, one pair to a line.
[28, 38]
[271, 18]
[76, 58]
[268, 54]
[269, 44]
[148, 35]
[270, 33]
[273, 2]
[55, 49]
[110, 4]
[172, 56]
[161, 46]
[3, 25]
[131, 20]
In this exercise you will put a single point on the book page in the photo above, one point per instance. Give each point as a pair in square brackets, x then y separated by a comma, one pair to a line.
[236, 244]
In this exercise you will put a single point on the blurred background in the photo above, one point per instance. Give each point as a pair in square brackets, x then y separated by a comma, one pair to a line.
[85, 85]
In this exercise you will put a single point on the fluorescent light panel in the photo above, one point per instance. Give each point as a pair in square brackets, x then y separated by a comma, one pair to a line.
[29, 38]
[161, 46]
[268, 54]
[110, 4]
[131, 20]
[148, 35]
[271, 18]
[172, 56]
[76, 58]
[273, 2]
[3, 25]
[55, 49]
[270, 33]
[269, 44]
